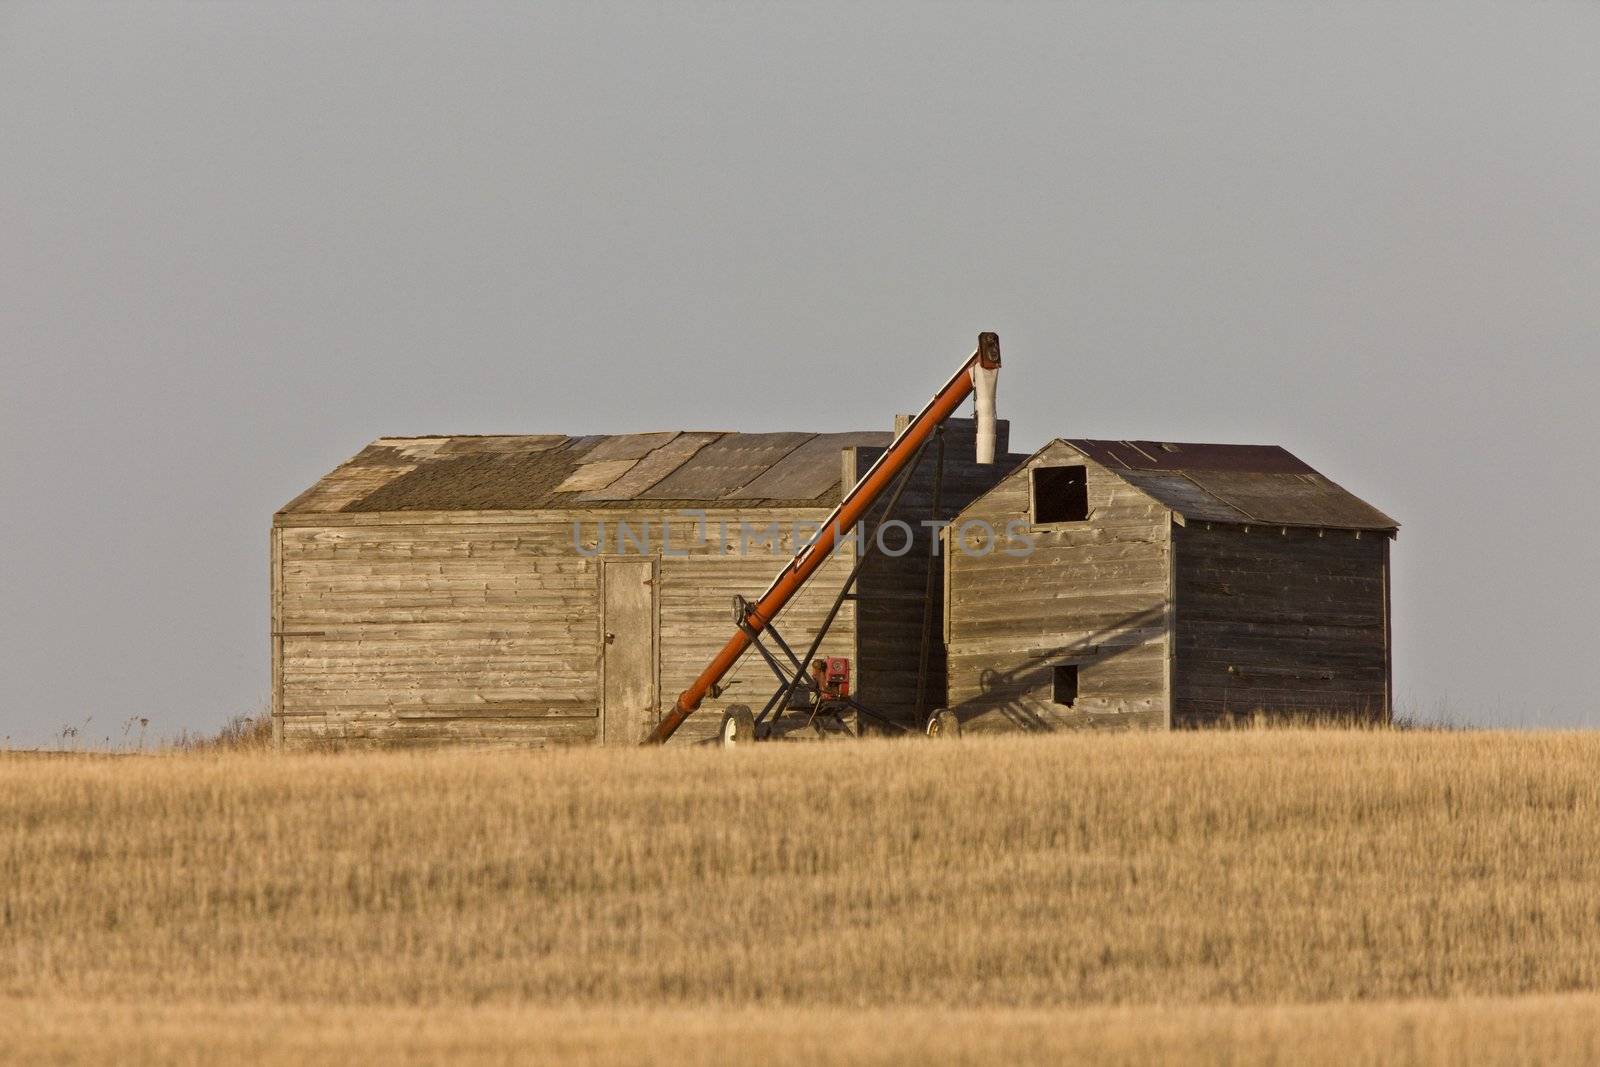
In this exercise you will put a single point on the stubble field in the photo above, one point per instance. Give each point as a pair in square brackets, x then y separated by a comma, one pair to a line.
[1246, 897]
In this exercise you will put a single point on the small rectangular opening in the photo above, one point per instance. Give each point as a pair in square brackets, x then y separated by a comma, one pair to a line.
[1065, 684]
[1060, 494]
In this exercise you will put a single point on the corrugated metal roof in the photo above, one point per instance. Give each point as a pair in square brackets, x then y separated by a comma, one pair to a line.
[808, 471]
[517, 473]
[1235, 483]
[1182, 456]
[726, 465]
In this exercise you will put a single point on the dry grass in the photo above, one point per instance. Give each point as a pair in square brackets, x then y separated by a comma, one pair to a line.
[1560, 1031]
[1170, 870]
[245, 732]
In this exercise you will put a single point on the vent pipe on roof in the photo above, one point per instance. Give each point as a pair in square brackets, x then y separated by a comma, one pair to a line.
[985, 379]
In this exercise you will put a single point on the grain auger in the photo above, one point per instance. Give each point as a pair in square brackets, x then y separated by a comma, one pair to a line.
[821, 687]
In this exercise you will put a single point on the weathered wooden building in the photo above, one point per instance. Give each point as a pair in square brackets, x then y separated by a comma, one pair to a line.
[1139, 583]
[549, 589]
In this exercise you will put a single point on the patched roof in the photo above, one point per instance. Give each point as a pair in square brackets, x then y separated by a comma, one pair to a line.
[1235, 484]
[529, 472]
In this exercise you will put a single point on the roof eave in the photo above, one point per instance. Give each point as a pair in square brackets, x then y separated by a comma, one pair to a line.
[1391, 531]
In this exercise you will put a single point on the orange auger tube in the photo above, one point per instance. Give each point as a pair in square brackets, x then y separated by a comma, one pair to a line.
[851, 510]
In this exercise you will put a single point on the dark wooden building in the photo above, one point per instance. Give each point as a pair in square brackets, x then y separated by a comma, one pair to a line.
[535, 590]
[1153, 584]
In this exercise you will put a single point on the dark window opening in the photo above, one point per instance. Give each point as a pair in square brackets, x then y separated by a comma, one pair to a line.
[1060, 494]
[1066, 684]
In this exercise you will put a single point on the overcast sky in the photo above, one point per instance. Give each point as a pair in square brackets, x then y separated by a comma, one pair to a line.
[237, 242]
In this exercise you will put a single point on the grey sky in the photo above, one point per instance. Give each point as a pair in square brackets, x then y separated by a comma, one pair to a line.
[237, 242]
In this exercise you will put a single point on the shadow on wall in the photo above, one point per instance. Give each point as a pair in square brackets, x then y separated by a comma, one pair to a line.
[1002, 690]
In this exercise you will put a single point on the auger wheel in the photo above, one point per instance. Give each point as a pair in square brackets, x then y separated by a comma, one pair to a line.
[943, 725]
[738, 727]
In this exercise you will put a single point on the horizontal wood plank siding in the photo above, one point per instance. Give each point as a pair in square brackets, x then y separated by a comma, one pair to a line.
[696, 604]
[443, 629]
[1091, 593]
[421, 633]
[1280, 623]
[275, 638]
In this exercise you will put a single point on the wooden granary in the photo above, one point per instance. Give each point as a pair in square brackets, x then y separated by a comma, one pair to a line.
[535, 590]
[1156, 584]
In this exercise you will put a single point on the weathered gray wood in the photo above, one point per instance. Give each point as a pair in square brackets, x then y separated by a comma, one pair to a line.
[1388, 641]
[275, 537]
[501, 709]
[1280, 623]
[892, 590]
[1094, 594]
[628, 650]
[384, 621]
[1169, 620]
[485, 627]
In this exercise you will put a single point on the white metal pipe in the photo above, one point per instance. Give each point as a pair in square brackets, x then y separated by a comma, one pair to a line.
[985, 381]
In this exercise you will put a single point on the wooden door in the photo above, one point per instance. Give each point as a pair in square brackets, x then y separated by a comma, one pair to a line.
[628, 666]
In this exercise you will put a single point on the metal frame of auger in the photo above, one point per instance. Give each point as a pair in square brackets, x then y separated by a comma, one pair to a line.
[791, 671]
[978, 372]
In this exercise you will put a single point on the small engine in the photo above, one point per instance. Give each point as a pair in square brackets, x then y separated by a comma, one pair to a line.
[832, 677]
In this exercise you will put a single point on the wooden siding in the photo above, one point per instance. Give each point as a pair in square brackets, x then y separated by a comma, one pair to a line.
[697, 615]
[485, 627]
[1093, 593]
[275, 632]
[1280, 622]
[894, 591]
[628, 667]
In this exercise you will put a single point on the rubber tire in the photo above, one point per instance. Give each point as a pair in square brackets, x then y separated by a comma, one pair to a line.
[943, 725]
[738, 727]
